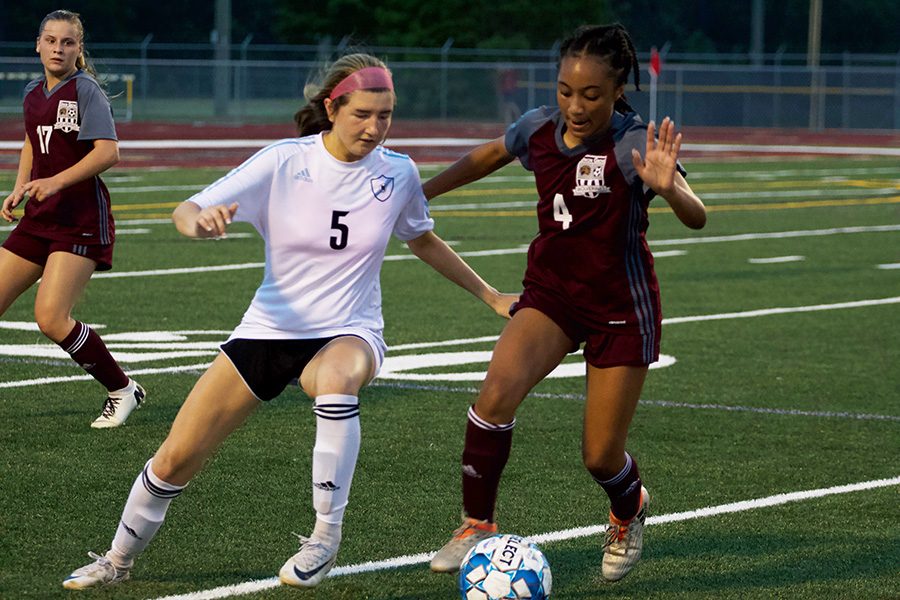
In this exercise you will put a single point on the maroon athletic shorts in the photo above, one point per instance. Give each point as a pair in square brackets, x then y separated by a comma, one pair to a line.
[602, 348]
[36, 249]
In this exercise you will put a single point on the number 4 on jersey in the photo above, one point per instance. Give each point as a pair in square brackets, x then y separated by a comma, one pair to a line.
[561, 211]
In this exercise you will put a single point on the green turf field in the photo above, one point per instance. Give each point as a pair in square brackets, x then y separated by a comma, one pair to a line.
[758, 403]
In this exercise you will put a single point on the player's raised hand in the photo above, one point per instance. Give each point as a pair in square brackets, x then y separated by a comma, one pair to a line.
[10, 202]
[214, 220]
[657, 169]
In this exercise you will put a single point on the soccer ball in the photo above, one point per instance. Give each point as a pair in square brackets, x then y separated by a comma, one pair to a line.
[507, 567]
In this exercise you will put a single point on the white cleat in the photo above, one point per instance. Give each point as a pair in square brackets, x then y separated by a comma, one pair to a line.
[99, 573]
[624, 542]
[310, 565]
[116, 410]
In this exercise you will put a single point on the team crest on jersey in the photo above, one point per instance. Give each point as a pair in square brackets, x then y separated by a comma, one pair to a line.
[589, 179]
[382, 187]
[67, 116]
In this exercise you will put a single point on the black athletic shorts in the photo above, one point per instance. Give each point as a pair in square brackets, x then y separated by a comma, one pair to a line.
[269, 366]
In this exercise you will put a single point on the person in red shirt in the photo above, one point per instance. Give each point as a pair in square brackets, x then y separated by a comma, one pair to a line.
[67, 231]
[589, 279]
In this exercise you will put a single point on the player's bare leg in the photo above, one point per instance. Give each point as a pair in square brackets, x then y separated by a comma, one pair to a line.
[333, 377]
[218, 404]
[18, 275]
[64, 279]
[612, 397]
[531, 346]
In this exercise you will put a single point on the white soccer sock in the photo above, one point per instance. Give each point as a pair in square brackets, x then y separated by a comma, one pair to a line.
[334, 455]
[125, 391]
[142, 516]
[327, 533]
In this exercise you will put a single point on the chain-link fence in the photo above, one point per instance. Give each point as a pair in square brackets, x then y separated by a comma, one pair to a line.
[847, 92]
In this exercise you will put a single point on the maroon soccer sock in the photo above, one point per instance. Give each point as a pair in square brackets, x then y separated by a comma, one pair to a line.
[624, 490]
[484, 457]
[88, 350]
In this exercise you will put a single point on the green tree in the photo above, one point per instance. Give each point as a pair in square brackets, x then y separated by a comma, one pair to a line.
[868, 26]
[424, 23]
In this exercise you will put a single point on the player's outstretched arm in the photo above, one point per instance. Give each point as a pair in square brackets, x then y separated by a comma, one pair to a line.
[192, 221]
[478, 163]
[658, 170]
[433, 250]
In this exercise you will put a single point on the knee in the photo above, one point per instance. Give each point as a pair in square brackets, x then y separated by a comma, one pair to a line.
[52, 323]
[602, 459]
[172, 466]
[497, 402]
[333, 380]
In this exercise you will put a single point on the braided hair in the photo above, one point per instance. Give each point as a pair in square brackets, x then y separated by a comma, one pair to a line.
[313, 118]
[610, 44]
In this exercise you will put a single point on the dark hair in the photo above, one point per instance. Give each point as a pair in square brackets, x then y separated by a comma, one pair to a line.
[73, 18]
[612, 45]
[313, 117]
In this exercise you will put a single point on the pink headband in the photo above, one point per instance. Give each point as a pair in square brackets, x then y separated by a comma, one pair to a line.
[364, 79]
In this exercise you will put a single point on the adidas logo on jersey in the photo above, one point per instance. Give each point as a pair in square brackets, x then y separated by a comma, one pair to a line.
[303, 175]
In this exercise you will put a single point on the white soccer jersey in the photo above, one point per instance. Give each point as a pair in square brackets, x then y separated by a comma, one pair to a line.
[326, 225]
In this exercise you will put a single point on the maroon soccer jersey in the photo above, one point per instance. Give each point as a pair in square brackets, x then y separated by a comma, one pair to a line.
[591, 251]
[61, 125]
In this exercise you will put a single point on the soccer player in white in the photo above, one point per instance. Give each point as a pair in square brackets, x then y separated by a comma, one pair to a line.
[326, 204]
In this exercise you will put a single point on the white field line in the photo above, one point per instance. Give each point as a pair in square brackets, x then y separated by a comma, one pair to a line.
[765, 312]
[439, 207]
[152, 371]
[767, 175]
[178, 271]
[813, 193]
[259, 585]
[798, 149]
[670, 321]
[816, 175]
[791, 412]
[467, 142]
[742, 237]
[391, 258]
[699, 172]
[775, 235]
[889, 266]
[141, 189]
[32, 326]
[775, 260]
[833, 193]
[436, 207]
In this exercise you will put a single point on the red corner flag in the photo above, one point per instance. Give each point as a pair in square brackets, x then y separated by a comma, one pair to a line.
[654, 62]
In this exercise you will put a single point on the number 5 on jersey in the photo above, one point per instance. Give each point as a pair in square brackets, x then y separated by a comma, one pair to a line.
[339, 241]
[561, 211]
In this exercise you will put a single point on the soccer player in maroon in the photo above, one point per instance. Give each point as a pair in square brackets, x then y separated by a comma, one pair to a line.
[67, 232]
[589, 279]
